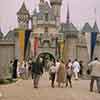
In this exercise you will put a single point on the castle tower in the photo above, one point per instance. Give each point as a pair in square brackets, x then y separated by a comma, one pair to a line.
[56, 6]
[23, 17]
[71, 36]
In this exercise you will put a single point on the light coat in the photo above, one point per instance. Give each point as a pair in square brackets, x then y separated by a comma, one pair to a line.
[61, 73]
[95, 68]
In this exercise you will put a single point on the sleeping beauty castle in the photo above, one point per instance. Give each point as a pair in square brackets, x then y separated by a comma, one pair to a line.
[48, 37]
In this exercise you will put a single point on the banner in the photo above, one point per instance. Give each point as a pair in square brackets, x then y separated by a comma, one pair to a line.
[61, 47]
[35, 44]
[26, 40]
[21, 45]
[93, 43]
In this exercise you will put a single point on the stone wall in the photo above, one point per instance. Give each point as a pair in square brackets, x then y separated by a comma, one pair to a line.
[7, 53]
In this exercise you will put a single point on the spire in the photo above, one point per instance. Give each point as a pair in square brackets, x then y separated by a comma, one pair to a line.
[95, 28]
[86, 28]
[23, 9]
[95, 14]
[68, 15]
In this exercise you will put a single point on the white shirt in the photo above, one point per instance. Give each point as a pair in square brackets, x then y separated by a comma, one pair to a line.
[57, 65]
[53, 69]
[76, 66]
[95, 68]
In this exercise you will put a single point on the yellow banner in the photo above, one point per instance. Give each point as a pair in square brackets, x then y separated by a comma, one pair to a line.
[21, 44]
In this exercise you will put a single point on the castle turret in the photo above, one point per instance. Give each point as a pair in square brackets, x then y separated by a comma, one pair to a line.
[56, 6]
[71, 37]
[23, 17]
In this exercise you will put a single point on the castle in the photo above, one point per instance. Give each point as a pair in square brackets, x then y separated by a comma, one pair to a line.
[55, 39]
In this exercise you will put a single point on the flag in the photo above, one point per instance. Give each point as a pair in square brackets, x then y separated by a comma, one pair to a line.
[26, 40]
[35, 44]
[93, 43]
[21, 45]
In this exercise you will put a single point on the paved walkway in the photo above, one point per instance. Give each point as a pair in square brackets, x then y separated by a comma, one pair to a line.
[23, 90]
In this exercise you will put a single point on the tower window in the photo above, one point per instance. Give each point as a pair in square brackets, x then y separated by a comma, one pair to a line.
[46, 17]
[46, 30]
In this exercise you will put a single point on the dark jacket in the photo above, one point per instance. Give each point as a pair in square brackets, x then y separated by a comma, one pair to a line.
[37, 68]
[14, 73]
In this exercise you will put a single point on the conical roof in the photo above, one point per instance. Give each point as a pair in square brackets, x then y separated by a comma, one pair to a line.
[95, 28]
[68, 28]
[23, 9]
[10, 35]
[87, 28]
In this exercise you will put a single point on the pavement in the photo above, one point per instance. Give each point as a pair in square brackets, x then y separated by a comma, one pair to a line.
[23, 90]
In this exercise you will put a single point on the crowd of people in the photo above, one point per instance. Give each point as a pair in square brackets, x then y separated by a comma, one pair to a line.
[59, 71]
[20, 69]
[63, 72]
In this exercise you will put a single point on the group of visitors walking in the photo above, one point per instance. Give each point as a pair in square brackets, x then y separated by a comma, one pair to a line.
[63, 72]
[59, 71]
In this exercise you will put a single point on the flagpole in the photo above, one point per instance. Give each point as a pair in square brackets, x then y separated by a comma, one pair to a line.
[95, 14]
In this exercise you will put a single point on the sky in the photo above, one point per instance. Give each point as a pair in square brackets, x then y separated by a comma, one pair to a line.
[81, 11]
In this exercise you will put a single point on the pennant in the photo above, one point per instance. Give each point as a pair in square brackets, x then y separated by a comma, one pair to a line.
[93, 43]
[35, 44]
[26, 40]
[62, 47]
[21, 44]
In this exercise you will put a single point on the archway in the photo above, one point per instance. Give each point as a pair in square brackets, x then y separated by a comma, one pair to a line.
[47, 59]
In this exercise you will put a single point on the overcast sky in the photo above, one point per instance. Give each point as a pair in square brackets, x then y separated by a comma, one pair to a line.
[81, 11]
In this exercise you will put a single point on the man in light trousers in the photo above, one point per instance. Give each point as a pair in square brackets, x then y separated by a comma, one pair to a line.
[76, 68]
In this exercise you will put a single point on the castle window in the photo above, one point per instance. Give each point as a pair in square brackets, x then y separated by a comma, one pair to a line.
[46, 30]
[46, 17]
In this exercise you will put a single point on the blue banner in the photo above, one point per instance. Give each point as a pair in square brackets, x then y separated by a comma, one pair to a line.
[26, 40]
[93, 43]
